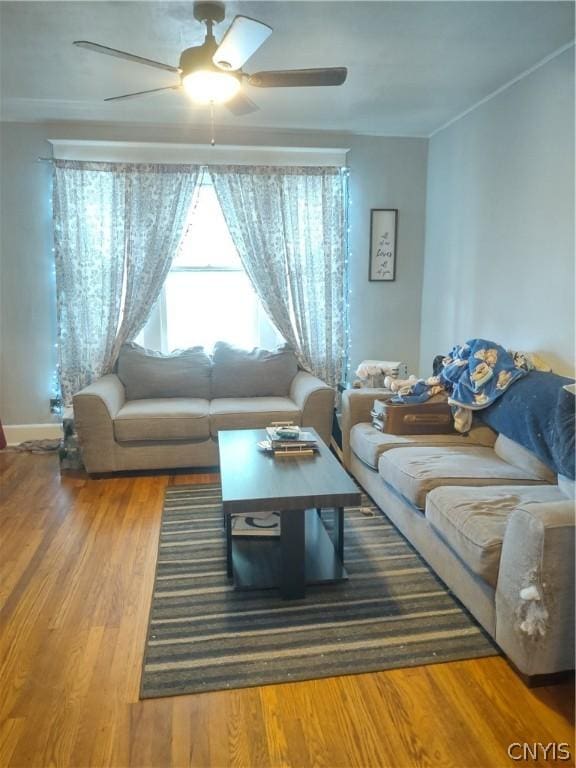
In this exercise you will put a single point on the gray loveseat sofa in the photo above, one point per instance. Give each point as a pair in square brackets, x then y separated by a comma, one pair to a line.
[164, 411]
[493, 521]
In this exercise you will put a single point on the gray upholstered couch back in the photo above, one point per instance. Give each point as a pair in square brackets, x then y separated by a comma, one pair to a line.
[228, 372]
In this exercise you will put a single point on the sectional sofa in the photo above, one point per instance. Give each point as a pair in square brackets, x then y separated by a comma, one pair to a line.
[164, 411]
[493, 520]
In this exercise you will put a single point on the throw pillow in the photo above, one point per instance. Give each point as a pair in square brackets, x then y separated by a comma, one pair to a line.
[147, 374]
[259, 373]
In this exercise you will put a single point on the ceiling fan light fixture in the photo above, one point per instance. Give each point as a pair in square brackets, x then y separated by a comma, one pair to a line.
[206, 85]
[212, 72]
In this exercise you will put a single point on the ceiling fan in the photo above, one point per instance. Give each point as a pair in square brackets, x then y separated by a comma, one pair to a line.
[212, 72]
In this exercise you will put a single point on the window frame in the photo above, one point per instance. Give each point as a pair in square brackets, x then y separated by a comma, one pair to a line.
[154, 335]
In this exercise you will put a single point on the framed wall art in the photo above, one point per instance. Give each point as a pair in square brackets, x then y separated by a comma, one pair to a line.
[383, 226]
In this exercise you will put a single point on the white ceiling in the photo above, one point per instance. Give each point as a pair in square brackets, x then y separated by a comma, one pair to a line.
[412, 66]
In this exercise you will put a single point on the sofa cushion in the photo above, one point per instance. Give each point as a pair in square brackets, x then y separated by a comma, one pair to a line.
[147, 374]
[369, 444]
[415, 471]
[516, 454]
[250, 412]
[174, 418]
[259, 373]
[472, 521]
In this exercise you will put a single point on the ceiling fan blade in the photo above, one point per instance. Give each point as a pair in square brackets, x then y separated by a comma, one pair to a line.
[143, 93]
[241, 105]
[97, 48]
[242, 39]
[290, 78]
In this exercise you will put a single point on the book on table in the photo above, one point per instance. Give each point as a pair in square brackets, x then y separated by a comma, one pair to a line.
[303, 444]
[295, 450]
[290, 449]
[303, 439]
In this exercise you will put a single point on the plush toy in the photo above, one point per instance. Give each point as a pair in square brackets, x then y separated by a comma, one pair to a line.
[402, 386]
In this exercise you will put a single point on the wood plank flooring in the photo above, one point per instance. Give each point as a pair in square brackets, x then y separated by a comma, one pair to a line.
[78, 558]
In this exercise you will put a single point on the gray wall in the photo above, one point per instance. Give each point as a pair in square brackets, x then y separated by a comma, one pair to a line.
[385, 317]
[27, 283]
[499, 258]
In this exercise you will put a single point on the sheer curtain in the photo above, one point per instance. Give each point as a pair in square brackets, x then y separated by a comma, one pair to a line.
[289, 226]
[116, 230]
[158, 202]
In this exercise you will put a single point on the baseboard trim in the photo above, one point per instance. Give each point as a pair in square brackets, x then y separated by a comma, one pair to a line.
[21, 433]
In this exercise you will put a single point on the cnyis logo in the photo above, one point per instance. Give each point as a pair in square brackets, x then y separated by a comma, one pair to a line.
[526, 751]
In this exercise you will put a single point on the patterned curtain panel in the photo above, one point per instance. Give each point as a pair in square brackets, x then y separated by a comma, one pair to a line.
[157, 206]
[289, 226]
[116, 230]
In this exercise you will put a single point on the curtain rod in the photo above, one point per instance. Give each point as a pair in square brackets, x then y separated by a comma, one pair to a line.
[202, 166]
[125, 162]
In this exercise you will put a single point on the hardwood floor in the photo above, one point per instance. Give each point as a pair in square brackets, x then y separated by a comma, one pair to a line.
[78, 558]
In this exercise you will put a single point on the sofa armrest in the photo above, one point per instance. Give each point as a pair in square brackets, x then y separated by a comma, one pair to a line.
[95, 407]
[356, 407]
[109, 390]
[315, 401]
[535, 590]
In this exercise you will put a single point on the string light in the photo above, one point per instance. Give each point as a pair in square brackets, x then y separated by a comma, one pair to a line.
[347, 257]
[56, 404]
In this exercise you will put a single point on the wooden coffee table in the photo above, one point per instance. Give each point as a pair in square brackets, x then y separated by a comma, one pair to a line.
[299, 488]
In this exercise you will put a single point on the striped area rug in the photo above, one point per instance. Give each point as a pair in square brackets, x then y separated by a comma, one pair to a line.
[204, 635]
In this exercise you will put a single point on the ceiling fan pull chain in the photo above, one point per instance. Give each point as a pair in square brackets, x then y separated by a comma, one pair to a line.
[212, 137]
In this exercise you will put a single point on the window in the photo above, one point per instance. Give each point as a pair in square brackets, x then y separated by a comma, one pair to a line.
[207, 296]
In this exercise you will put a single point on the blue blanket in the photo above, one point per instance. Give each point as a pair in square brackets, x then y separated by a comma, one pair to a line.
[539, 414]
[477, 373]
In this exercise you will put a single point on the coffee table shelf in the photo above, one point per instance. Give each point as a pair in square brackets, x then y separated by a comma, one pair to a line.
[257, 560]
